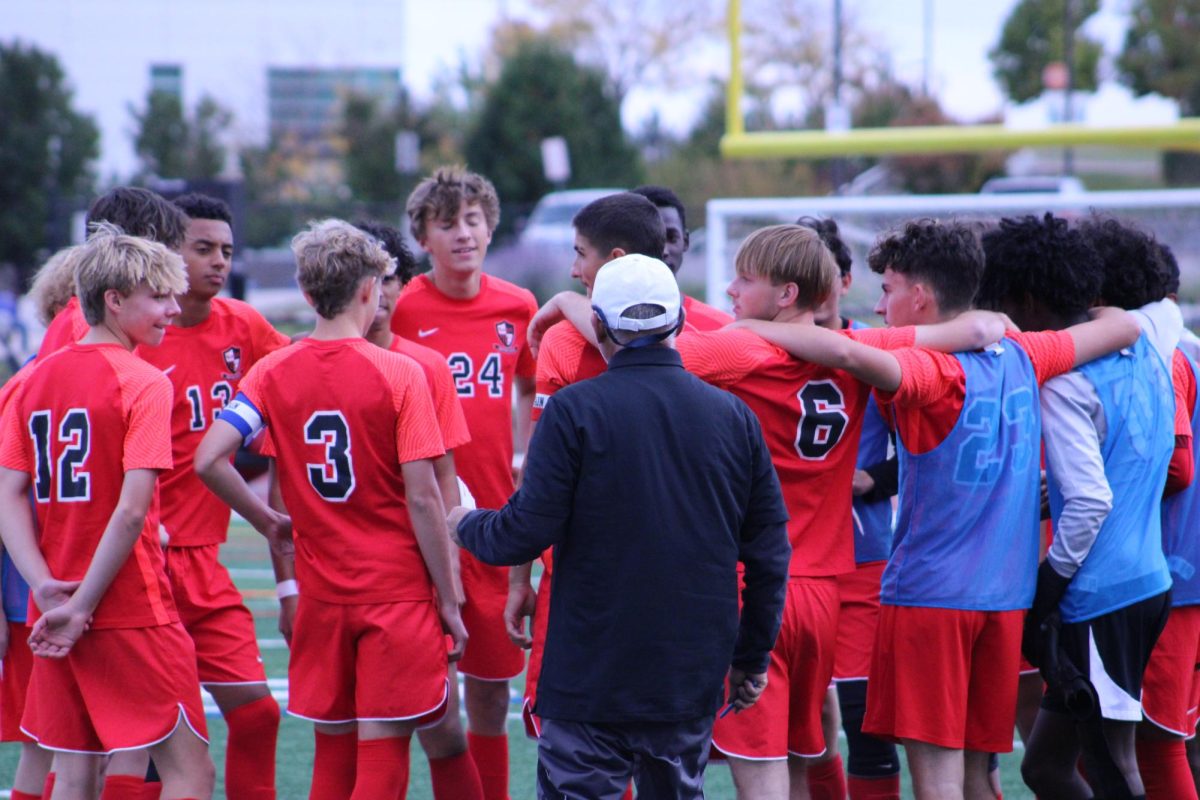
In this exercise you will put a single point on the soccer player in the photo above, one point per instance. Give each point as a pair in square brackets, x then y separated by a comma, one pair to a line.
[478, 323]
[1108, 431]
[452, 772]
[812, 417]
[90, 430]
[605, 229]
[137, 212]
[213, 342]
[700, 316]
[353, 432]
[873, 768]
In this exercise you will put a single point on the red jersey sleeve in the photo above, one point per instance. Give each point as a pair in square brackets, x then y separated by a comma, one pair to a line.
[884, 338]
[148, 432]
[722, 357]
[1181, 470]
[926, 377]
[526, 364]
[417, 432]
[14, 453]
[263, 337]
[1051, 352]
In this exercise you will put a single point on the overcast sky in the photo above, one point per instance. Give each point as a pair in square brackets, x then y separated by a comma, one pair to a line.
[962, 34]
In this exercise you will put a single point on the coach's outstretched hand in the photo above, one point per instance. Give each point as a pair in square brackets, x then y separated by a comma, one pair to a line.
[745, 688]
[57, 631]
[452, 519]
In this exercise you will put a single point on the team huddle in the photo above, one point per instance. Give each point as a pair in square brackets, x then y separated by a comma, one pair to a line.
[1032, 398]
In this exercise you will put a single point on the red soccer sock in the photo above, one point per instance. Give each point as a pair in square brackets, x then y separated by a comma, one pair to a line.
[334, 766]
[48, 789]
[1164, 767]
[490, 754]
[455, 778]
[628, 793]
[17, 794]
[827, 779]
[382, 769]
[123, 787]
[874, 788]
[250, 751]
[151, 790]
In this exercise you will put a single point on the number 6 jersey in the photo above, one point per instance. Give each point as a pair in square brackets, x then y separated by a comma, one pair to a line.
[342, 416]
[811, 418]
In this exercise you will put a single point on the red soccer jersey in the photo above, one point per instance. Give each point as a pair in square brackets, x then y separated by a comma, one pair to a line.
[451, 421]
[565, 357]
[703, 317]
[811, 418]
[343, 416]
[66, 327]
[204, 364]
[1181, 470]
[85, 416]
[933, 385]
[483, 341]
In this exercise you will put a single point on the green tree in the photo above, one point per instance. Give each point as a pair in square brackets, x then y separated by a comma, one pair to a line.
[46, 151]
[1032, 39]
[169, 144]
[543, 92]
[1161, 55]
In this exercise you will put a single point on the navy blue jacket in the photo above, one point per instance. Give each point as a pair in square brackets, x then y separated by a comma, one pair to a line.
[651, 486]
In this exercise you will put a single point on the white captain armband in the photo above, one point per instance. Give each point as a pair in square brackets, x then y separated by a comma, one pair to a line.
[241, 414]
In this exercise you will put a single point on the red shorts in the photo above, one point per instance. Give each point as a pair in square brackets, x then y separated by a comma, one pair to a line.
[378, 661]
[857, 620]
[946, 677]
[14, 680]
[212, 611]
[1170, 685]
[117, 689]
[787, 717]
[490, 655]
[541, 616]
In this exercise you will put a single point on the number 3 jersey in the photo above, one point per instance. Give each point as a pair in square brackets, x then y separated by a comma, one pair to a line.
[86, 415]
[342, 416]
[483, 341]
[811, 417]
[968, 429]
[204, 363]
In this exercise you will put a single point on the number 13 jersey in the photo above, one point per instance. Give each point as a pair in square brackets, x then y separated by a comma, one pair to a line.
[483, 340]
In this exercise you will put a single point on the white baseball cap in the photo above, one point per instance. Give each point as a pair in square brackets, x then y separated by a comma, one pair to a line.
[635, 280]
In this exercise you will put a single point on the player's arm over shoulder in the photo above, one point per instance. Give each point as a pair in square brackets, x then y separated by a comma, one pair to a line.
[722, 357]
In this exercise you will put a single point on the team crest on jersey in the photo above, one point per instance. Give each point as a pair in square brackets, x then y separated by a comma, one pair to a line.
[507, 333]
[233, 360]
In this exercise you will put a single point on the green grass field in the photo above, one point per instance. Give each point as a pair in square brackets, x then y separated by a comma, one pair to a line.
[246, 556]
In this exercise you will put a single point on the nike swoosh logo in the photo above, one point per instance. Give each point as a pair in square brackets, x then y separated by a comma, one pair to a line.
[167, 371]
[429, 332]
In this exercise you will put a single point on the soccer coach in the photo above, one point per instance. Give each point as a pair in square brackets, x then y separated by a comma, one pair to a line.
[650, 486]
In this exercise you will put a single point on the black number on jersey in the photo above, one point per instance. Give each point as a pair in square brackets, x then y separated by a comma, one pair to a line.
[221, 391]
[74, 483]
[333, 479]
[823, 419]
[491, 374]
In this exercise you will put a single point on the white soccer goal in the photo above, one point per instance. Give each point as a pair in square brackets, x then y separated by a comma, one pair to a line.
[1172, 215]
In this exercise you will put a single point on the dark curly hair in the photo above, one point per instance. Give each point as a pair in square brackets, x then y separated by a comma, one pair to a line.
[945, 255]
[1170, 268]
[201, 206]
[827, 229]
[1133, 273]
[1043, 258]
[393, 241]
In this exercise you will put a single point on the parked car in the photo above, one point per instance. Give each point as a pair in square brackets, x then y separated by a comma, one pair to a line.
[1043, 184]
[550, 221]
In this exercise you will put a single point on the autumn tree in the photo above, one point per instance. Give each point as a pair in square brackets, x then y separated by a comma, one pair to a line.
[170, 144]
[1033, 39]
[47, 149]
